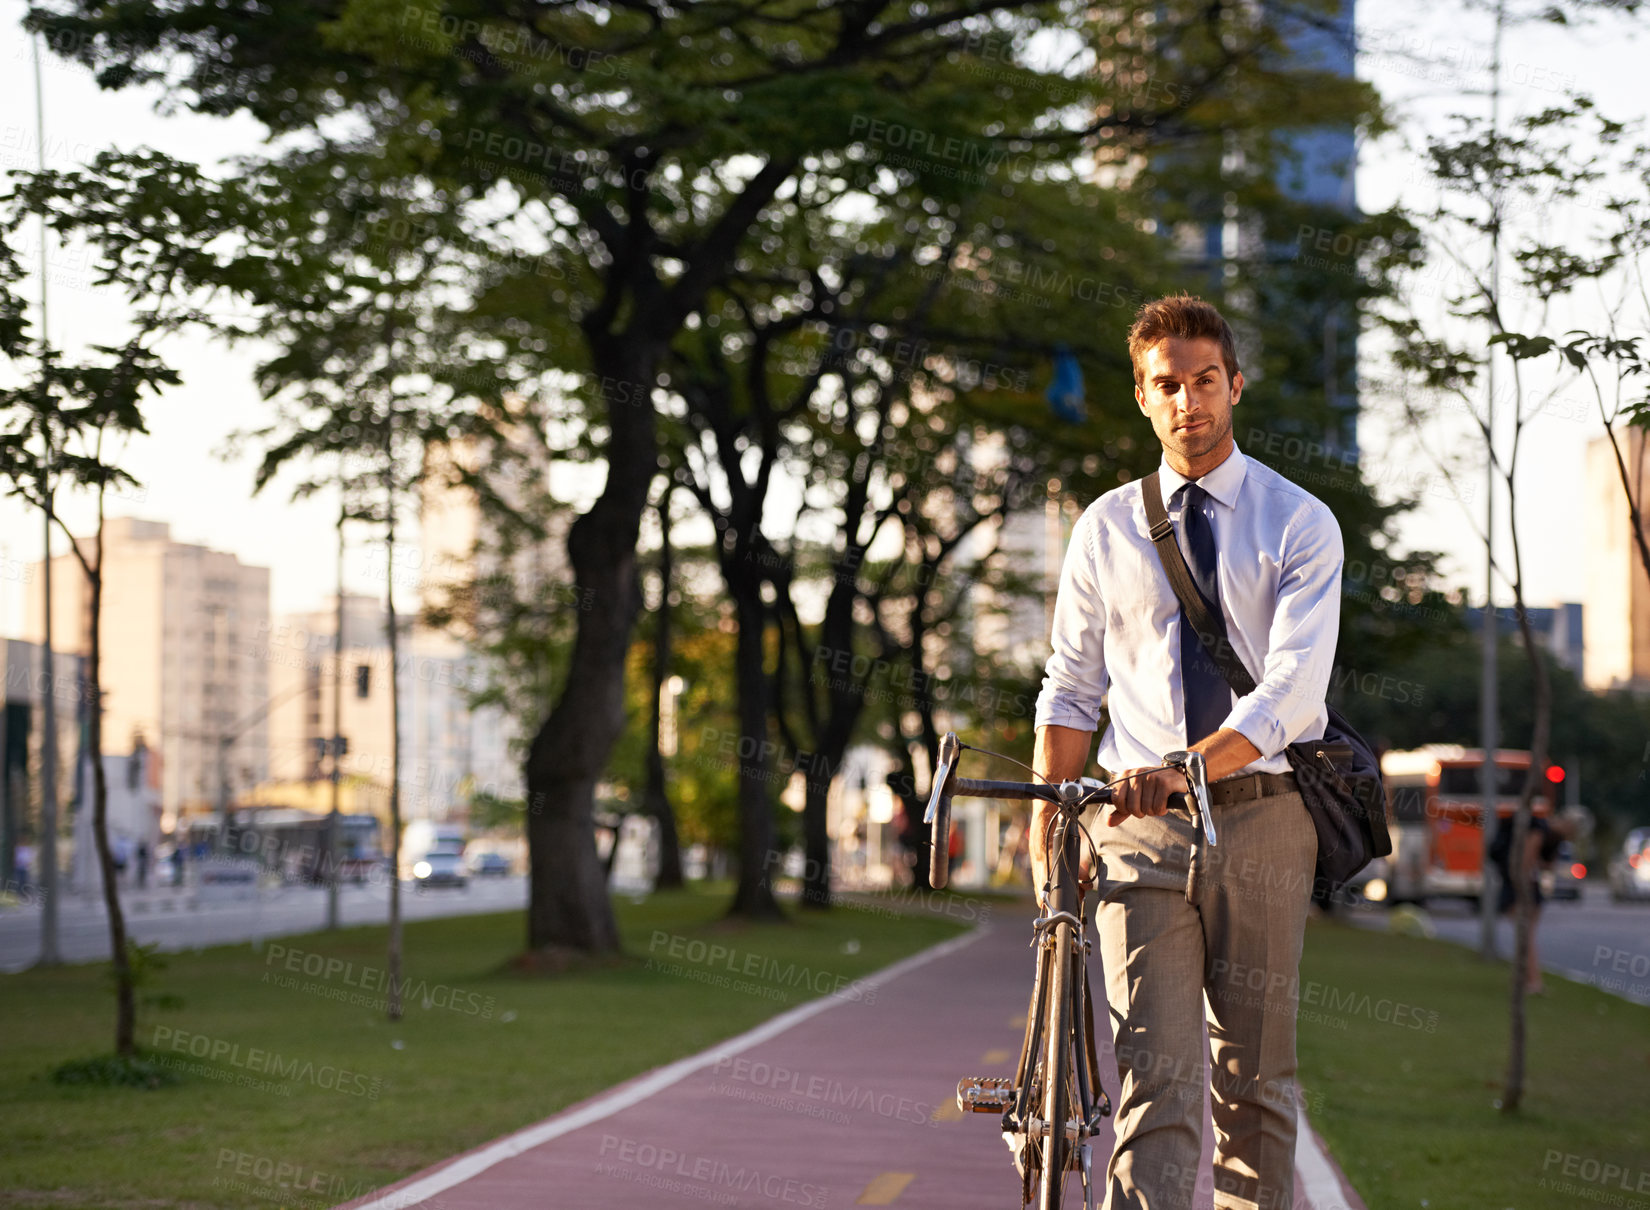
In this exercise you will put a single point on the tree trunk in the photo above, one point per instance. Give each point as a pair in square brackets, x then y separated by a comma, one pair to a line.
[845, 701]
[120, 958]
[753, 898]
[816, 839]
[1524, 904]
[913, 835]
[613, 849]
[394, 957]
[824, 765]
[568, 906]
[669, 876]
[657, 796]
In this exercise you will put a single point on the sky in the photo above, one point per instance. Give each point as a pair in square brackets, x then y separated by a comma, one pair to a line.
[1540, 63]
[207, 498]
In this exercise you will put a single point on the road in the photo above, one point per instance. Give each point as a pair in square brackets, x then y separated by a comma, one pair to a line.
[183, 919]
[848, 1100]
[1591, 941]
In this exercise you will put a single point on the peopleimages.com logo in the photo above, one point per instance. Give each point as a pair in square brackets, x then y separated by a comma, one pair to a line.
[365, 986]
[258, 1060]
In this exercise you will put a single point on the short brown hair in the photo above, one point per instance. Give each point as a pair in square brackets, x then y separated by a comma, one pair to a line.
[1186, 316]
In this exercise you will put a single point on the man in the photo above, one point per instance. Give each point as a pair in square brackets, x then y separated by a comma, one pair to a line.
[1268, 556]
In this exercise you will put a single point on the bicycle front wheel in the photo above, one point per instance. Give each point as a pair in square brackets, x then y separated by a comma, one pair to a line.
[1057, 1072]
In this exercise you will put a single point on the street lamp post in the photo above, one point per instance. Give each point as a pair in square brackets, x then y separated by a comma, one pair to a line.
[1489, 703]
[330, 864]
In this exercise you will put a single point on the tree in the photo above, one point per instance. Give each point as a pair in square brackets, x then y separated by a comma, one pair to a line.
[153, 223]
[1485, 177]
[657, 797]
[365, 373]
[854, 353]
[641, 149]
[1613, 361]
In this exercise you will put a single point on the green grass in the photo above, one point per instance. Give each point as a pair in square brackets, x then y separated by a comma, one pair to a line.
[354, 1101]
[1407, 1097]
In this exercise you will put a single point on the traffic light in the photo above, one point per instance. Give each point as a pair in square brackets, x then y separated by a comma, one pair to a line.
[1555, 773]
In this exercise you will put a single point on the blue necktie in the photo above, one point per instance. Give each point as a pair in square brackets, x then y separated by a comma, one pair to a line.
[1203, 688]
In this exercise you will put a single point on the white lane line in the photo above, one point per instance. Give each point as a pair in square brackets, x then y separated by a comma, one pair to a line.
[465, 1167]
[1591, 980]
[1317, 1177]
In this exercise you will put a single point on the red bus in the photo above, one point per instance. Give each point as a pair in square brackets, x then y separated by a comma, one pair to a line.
[1435, 811]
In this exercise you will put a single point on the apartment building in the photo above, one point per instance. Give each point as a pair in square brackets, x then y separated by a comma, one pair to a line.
[450, 750]
[1617, 590]
[21, 715]
[180, 623]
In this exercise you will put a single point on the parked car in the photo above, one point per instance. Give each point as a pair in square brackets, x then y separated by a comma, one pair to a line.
[1563, 882]
[1370, 885]
[1630, 869]
[439, 869]
[489, 865]
[432, 854]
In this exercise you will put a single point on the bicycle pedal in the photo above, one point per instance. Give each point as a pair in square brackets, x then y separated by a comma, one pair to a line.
[985, 1094]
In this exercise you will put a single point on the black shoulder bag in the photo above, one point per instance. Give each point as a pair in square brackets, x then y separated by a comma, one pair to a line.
[1338, 775]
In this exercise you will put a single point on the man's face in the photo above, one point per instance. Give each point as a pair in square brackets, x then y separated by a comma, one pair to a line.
[1185, 393]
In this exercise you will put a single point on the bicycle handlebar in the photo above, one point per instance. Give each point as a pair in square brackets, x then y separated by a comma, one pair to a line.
[948, 785]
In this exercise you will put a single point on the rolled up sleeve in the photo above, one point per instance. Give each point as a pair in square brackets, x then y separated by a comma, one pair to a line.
[1074, 681]
[1301, 643]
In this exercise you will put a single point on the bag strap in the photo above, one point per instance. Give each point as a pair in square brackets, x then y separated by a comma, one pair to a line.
[1209, 627]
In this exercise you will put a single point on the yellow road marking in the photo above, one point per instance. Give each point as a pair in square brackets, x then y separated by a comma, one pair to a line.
[885, 1188]
[994, 1056]
[1019, 1022]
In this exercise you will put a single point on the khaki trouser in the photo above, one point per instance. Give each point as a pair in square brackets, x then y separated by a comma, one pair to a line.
[1233, 960]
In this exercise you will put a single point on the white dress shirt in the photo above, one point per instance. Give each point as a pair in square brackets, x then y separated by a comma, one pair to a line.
[1117, 621]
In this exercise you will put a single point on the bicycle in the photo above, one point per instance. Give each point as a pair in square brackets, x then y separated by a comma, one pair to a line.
[1057, 1079]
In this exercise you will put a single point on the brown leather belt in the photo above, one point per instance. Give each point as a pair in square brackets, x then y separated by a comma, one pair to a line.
[1249, 786]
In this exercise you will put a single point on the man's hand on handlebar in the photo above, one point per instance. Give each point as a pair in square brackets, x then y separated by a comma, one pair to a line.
[1146, 794]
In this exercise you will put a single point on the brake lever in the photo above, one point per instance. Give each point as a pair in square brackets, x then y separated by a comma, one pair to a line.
[1196, 771]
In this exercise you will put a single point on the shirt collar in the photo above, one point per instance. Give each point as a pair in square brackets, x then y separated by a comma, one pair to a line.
[1223, 483]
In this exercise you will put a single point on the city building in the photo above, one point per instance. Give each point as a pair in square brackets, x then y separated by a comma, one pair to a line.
[1556, 627]
[298, 650]
[1617, 596]
[21, 667]
[450, 750]
[180, 627]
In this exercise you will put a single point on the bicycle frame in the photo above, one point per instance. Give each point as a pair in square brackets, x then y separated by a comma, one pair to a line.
[1055, 1102]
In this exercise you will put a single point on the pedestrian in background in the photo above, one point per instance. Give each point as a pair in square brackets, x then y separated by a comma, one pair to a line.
[1540, 847]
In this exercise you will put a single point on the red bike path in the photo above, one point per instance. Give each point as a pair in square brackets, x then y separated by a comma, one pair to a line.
[847, 1100]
